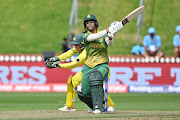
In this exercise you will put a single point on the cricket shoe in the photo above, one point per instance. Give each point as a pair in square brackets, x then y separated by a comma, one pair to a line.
[111, 109]
[97, 111]
[67, 109]
[90, 110]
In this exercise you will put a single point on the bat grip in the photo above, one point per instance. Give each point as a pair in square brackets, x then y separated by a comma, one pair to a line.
[125, 21]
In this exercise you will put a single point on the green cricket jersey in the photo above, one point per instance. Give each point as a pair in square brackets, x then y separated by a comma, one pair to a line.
[96, 51]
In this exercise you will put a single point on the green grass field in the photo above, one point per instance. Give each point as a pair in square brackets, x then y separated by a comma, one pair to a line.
[43, 106]
[32, 26]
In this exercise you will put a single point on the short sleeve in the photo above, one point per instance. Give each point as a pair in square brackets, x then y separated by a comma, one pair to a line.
[176, 40]
[145, 41]
[158, 41]
[85, 37]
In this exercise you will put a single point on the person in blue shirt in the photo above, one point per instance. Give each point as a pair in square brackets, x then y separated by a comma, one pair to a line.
[152, 44]
[176, 42]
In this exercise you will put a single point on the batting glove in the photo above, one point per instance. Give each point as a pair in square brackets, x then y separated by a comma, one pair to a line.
[119, 25]
[114, 22]
[112, 31]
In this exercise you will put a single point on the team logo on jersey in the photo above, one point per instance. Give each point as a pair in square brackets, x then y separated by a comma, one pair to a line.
[74, 39]
[88, 16]
[96, 45]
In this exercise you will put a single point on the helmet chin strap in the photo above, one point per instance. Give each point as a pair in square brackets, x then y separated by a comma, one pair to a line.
[91, 29]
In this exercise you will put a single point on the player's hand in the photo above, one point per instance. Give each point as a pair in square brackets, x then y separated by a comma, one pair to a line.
[119, 25]
[114, 22]
[112, 31]
[53, 59]
[56, 64]
[48, 64]
[52, 62]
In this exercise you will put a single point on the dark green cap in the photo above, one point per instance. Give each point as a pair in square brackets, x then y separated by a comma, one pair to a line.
[78, 39]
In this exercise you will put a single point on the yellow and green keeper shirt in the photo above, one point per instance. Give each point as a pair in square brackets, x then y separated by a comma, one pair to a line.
[78, 61]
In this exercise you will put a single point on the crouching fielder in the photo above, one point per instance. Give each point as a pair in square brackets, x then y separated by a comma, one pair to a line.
[75, 80]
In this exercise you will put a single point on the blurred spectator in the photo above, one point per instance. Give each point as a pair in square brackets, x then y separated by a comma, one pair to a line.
[176, 42]
[65, 45]
[137, 50]
[152, 43]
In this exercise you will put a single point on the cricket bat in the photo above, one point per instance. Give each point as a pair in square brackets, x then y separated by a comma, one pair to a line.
[133, 14]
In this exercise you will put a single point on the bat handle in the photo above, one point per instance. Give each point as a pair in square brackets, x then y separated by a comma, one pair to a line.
[125, 21]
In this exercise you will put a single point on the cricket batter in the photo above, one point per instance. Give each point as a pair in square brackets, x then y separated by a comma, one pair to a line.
[96, 68]
[75, 80]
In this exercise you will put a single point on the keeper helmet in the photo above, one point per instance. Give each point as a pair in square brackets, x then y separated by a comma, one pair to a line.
[88, 18]
[78, 40]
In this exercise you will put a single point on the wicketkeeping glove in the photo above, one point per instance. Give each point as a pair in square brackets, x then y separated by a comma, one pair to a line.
[48, 64]
[54, 59]
[52, 62]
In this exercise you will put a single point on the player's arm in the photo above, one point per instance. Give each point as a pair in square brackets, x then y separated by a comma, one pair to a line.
[96, 36]
[77, 62]
[67, 54]
[112, 30]
[109, 41]
[145, 43]
[54, 61]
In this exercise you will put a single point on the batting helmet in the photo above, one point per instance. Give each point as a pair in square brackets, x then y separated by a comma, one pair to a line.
[88, 18]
